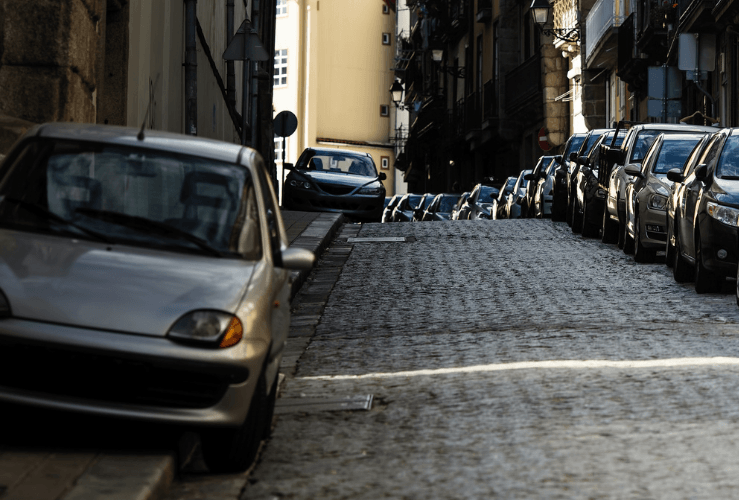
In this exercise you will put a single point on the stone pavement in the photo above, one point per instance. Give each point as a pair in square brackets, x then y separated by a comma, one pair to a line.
[60, 456]
[506, 358]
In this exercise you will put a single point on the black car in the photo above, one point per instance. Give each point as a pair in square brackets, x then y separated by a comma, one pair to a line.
[559, 189]
[480, 202]
[335, 180]
[406, 207]
[590, 198]
[387, 213]
[441, 207]
[499, 206]
[426, 200]
[539, 172]
[574, 167]
[707, 216]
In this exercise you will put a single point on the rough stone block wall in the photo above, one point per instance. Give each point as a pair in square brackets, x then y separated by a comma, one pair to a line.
[48, 58]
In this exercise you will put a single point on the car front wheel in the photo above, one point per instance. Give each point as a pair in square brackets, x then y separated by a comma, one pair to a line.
[705, 280]
[641, 254]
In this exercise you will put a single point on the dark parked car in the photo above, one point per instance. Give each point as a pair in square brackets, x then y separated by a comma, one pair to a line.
[708, 214]
[543, 192]
[539, 172]
[460, 209]
[647, 195]
[406, 207]
[574, 167]
[480, 202]
[387, 213]
[513, 204]
[559, 189]
[499, 205]
[590, 199]
[441, 207]
[426, 200]
[335, 180]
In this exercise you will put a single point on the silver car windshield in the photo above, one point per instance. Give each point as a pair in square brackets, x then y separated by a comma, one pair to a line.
[133, 196]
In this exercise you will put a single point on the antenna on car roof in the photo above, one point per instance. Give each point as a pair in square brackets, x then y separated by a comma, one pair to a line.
[152, 86]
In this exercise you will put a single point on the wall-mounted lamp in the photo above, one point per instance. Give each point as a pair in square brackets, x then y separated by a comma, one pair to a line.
[540, 13]
[397, 92]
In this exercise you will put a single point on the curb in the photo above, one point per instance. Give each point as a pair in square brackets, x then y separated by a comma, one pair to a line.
[316, 237]
[125, 477]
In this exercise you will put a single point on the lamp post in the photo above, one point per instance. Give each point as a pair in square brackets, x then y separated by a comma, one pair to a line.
[397, 92]
[540, 13]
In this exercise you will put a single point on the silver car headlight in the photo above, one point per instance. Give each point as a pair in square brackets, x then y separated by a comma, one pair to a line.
[657, 202]
[213, 328]
[727, 215]
[300, 184]
[370, 190]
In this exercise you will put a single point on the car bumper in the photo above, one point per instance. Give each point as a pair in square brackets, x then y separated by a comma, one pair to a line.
[654, 228]
[127, 376]
[717, 236]
[368, 207]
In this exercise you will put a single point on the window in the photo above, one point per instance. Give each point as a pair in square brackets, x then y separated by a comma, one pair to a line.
[386, 38]
[385, 9]
[384, 110]
[280, 75]
[281, 8]
[385, 162]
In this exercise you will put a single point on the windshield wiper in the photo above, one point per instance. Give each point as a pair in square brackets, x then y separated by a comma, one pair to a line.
[48, 214]
[149, 226]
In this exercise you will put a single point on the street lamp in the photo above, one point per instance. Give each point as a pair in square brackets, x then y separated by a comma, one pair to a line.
[540, 13]
[397, 92]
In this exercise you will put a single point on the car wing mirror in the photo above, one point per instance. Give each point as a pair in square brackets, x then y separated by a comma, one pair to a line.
[382, 176]
[529, 177]
[675, 175]
[298, 259]
[288, 166]
[558, 159]
[573, 156]
[633, 169]
[701, 171]
[582, 160]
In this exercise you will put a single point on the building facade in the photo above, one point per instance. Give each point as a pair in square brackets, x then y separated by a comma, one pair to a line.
[334, 74]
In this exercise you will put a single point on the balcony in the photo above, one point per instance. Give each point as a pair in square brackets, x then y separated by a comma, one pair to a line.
[458, 14]
[601, 33]
[523, 85]
[484, 11]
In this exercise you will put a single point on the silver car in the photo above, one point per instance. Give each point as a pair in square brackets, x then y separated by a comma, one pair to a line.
[144, 276]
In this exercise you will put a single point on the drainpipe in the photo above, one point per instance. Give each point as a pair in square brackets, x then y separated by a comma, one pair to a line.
[230, 71]
[191, 68]
[256, 19]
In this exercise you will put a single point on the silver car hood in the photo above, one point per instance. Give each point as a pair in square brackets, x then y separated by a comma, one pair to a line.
[119, 288]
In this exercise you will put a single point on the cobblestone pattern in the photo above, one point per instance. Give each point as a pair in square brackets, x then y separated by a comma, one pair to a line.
[489, 292]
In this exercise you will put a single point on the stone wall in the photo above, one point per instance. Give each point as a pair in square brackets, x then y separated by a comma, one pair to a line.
[50, 54]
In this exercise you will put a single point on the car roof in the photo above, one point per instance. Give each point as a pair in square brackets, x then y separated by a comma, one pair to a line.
[677, 127]
[338, 150]
[153, 139]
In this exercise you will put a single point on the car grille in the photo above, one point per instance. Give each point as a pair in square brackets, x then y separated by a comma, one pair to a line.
[336, 190]
[105, 378]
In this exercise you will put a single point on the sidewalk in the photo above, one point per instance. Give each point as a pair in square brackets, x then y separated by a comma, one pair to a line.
[71, 474]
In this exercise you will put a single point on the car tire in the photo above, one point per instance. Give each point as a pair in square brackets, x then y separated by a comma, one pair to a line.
[682, 271]
[621, 232]
[234, 450]
[642, 255]
[610, 228]
[570, 213]
[669, 247]
[706, 281]
[576, 218]
[628, 247]
[589, 230]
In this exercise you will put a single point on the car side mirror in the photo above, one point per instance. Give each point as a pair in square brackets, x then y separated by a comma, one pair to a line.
[675, 175]
[382, 176]
[298, 259]
[558, 159]
[529, 177]
[582, 160]
[573, 156]
[701, 171]
[633, 169]
[288, 166]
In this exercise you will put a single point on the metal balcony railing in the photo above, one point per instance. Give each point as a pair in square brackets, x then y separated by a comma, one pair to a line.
[602, 17]
[523, 82]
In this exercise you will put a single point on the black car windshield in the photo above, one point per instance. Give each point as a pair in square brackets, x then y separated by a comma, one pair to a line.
[591, 142]
[131, 195]
[673, 154]
[337, 161]
[487, 194]
[447, 203]
[575, 144]
[728, 163]
[414, 200]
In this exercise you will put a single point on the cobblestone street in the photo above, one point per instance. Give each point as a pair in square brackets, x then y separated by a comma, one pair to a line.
[506, 358]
